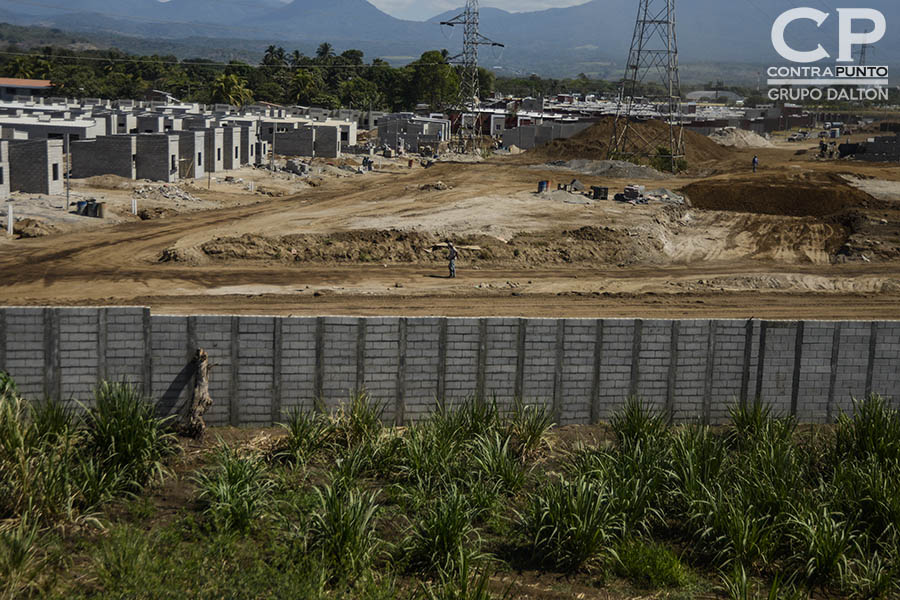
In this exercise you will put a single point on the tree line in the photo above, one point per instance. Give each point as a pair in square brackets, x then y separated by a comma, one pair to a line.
[326, 79]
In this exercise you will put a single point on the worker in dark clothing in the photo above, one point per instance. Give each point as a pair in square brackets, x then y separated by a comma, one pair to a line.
[452, 256]
[755, 163]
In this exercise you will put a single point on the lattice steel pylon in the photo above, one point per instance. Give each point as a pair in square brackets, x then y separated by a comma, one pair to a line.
[653, 58]
[469, 92]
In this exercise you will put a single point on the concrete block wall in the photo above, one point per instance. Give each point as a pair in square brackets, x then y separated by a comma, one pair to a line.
[215, 149]
[231, 148]
[36, 167]
[580, 369]
[296, 142]
[157, 157]
[106, 155]
[248, 146]
[4, 169]
[327, 141]
[191, 154]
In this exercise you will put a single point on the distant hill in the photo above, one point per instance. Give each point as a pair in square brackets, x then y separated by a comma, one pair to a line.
[593, 37]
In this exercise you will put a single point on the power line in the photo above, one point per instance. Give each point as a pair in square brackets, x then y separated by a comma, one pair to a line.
[146, 59]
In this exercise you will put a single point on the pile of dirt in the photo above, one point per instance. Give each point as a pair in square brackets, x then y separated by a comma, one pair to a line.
[809, 195]
[616, 169]
[593, 143]
[32, 228]
[109, 182]
[155, 212]
[440, 186]
[739, 138]
[588, 245]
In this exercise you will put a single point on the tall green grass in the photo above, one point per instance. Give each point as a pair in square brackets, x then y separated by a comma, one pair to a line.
[571, 525]
[57, 466]
[235, 491]
[444, 534]
[341, 531]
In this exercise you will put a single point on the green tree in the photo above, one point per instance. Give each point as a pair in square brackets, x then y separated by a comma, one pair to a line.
[230, 89]
[433, 81]
[359, 93]
[305, 85]
[325, 51]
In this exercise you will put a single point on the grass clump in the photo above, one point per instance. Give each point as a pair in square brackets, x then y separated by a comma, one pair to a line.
[650, 565]
[308, 434]
[571, 525]
[235, 491]
[444, 536]
[341, 531]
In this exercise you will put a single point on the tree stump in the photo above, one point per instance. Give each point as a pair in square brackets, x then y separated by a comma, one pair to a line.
[192, 424]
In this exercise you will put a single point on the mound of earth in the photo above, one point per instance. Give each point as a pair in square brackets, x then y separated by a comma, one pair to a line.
[32, 228]
[590, 245]
[109, 182]
[739, 138]
[616, 169]
[593, 143]
[811, 195]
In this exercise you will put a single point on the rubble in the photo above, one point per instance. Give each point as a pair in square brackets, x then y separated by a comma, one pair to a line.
[163, 192]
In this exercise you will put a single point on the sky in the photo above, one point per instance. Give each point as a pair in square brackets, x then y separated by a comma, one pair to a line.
[421, 10]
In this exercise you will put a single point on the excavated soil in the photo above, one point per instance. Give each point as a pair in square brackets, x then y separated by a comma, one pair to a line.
[802, 195]
[793, 241]
[593, 144]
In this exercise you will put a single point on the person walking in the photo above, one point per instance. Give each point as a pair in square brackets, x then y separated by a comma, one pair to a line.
[755, 163]
[452, 256]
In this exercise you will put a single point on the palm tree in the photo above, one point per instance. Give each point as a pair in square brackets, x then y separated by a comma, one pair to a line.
[325, 51]
[230, 89]
[274, 56]
[20, 67]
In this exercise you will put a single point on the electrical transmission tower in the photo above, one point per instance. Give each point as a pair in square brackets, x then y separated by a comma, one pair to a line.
[651, 86]
[862, 54]
[469, 92]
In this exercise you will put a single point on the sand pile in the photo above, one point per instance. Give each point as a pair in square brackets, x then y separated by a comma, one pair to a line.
[739, 138]
[593, 143]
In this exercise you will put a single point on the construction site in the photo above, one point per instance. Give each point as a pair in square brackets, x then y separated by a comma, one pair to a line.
[574, 347]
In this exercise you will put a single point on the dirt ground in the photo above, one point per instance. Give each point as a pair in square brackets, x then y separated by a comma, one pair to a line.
[802, 238]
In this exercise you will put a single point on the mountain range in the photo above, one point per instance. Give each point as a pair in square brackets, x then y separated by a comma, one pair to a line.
[593, 37]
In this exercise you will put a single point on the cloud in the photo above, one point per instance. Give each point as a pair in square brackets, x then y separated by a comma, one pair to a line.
[421, 10]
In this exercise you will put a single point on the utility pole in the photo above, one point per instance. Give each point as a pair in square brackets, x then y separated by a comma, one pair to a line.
[272, 160]
[653, 59]
[469, 92]
[68, 183]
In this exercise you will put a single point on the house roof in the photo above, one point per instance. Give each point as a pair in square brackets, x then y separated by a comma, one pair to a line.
[25, 83]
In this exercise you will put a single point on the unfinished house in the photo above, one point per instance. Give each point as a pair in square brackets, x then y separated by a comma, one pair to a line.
[231, 145]
[191, 154]
[215, 142]
[106, 155]
[327, 142]
[250, 150]
[295, 142]
[527, 137]
[151, 123]
[411, 132]
[36, 167]
[157, 157]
